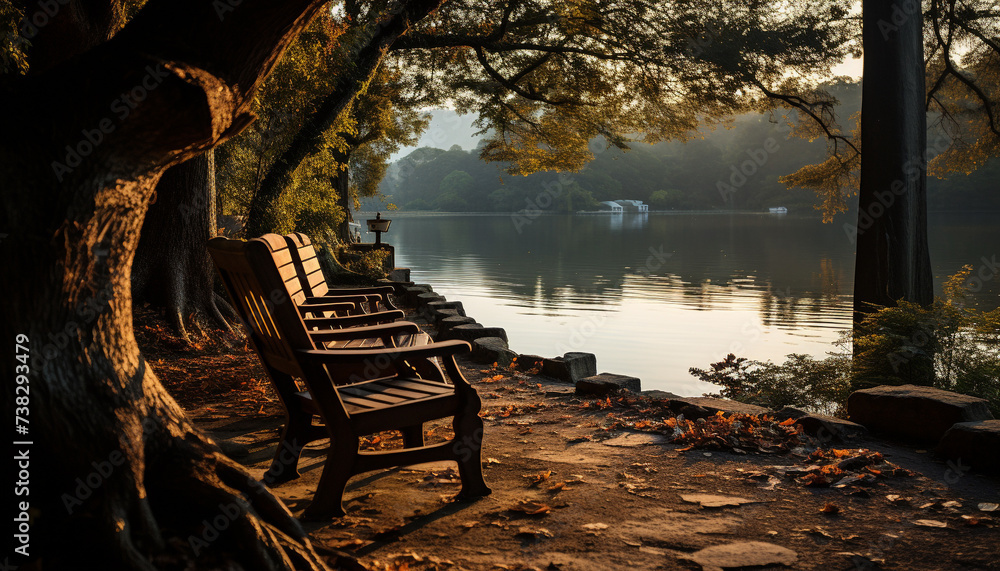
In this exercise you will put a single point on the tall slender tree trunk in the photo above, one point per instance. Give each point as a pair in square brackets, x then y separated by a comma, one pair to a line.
[893, 261]
[342, 184]
[172, 267]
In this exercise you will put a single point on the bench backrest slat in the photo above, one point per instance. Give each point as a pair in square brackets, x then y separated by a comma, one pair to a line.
[304, 255]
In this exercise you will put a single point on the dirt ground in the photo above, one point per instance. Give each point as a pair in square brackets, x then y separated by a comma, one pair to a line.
[586, 483]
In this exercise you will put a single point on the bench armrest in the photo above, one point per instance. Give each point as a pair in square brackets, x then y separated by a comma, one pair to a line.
[384, 290]
[321, 308]
[395, 355]
[355, 320]
[382, 330]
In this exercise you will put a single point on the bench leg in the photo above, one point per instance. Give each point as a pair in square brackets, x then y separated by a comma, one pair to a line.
[469, 453]
[338, 469]
[413, 436]
[296, 433]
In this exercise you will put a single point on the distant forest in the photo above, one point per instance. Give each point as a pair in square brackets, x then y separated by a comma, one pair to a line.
[730, 167]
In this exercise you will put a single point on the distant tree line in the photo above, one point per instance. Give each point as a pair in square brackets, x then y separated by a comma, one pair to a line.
[733, 166]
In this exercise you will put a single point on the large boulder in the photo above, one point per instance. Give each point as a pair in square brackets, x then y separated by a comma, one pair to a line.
[913, 412]
[975, 444]
[607, 383]
[701, 407]
[571, 367]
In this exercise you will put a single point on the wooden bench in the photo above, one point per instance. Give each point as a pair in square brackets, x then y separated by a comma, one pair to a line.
[331, 309]
[353, 392]
[311, 273]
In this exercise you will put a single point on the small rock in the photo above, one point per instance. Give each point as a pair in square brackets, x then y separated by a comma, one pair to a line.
[607, 383]
[743, 554]
[446, 324]
[492, 350]
[400, 275]
[431, 310]
[424, 298]
[571, 367]
[411, 293]
[471, 332]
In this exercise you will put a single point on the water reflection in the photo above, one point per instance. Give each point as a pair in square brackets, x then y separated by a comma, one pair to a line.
[672, 291]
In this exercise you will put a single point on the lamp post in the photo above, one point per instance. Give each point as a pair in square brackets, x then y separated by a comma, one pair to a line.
[378, 225]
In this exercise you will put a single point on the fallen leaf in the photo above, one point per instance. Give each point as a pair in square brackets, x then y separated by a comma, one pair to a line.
[830, 509]
[988, 507]
[595, 526]
[535, 479]
[971, 521]
[715, 501]
[530, 507]
[929, 523]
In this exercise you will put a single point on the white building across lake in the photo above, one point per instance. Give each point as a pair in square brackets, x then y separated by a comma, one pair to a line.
[621, 206]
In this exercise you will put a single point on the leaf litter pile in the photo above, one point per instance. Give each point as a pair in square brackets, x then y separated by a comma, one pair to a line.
[220, 374]
[745, 433]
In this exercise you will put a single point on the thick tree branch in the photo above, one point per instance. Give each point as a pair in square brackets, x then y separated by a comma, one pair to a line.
[365, 64]
[160, 65]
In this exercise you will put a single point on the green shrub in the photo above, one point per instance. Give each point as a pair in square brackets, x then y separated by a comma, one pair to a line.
[802, 381]
[948, 345]
[370, 263]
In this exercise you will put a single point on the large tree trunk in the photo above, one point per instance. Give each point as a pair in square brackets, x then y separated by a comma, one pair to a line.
[365, 64]
[119, 478]
[893, 261]
[172, 267]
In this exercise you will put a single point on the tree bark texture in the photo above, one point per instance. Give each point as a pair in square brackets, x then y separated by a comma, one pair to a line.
[172, 267]
[893, 261]
[120, 478]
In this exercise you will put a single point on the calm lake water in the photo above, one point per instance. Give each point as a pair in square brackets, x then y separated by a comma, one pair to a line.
[652, 295]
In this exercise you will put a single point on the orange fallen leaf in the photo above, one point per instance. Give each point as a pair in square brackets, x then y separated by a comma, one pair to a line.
[531, 507]
[830, 509]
